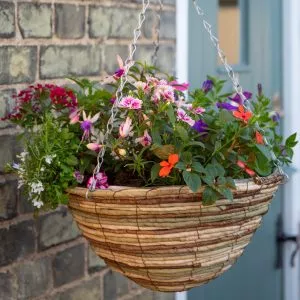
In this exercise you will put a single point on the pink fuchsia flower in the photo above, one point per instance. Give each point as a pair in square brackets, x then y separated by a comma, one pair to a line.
[87, 123]
[99, 181]
[144, 140]
[243, 166]
[131, 103]
[119, 72]
[78, 176]
[74, 116]
[94, 146]
[182, 116]
[126, 128]
[179, 86]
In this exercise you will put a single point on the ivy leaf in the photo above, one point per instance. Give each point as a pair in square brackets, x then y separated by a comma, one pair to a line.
[192, 180]
[210, 196]
[154, 171]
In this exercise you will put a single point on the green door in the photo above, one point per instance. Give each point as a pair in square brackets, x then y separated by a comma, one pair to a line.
[250, 33]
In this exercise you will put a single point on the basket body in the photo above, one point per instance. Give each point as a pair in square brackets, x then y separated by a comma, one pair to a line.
[164, 238]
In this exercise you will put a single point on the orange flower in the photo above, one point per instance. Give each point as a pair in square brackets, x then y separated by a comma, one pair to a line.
[259, 138]
[243, 166]
[242, 115]
[167, 166]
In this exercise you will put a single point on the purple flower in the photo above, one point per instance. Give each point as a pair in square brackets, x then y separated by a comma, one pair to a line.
[119, 73]
[207, 86]
[275, 117]
[86, 125]
[78, 176]
[200, 126]
[227, 106]
[237, 98]
[99, 181]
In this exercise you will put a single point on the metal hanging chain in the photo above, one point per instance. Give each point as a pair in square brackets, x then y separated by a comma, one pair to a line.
[235, 81]
[157, 33]
[129, 62]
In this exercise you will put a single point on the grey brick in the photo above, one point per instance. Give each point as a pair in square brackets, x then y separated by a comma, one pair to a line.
[170, 2]
[61, 61]
[56, 228]
[7, 19]
[95, 263]
[17, 64]
[25, 206]
[168, 25]
[87, 290]
[163, 296]
[17, 241]
[111, 52]
[6, 104]
[166, 59]
[7, 286]
[8, 197]
[70, 21]
[8, 150]
[110, 286]
[68, 265]
[33, 278]
[113, 22]
[145, 295]
[35, 20]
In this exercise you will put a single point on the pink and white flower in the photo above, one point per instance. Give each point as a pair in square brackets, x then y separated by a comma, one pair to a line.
[87, 123]
[94, 146]
[179, 86]
[74, 116]
[182, 116]
[99, 181]
[126, 128]
[131, 103]
[144, 140]
[163, 92]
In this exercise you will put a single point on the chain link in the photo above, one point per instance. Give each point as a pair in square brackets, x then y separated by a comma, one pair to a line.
[129, 62]
[157, 33]
[235, 82]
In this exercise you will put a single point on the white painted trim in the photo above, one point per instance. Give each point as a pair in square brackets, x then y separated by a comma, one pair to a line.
[291, 83]
[182, 12]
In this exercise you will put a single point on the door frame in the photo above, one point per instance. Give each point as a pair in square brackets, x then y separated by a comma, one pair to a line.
[291, 94]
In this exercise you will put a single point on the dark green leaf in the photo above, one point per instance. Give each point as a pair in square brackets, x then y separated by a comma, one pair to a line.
[183, 134]
[171, 114]
[155, 171]
[264, 151]
[196, 166]
[192, 180]
[210, 196]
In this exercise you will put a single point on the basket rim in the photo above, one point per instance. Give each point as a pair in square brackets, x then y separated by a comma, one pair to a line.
[274, 178]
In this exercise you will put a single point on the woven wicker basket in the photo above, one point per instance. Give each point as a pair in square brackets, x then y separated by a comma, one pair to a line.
[164, 238]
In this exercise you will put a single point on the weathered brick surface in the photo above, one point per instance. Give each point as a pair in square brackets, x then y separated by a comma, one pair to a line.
[62, 61]
[33, 278]
[94, 262]
[17, 241]
[69, 21]
[56, 228]
[8, 197]
[168, 25]
[109, 285]
[8, 150]
[7, 19]
[17, 64]
[68, 265]
[111, 52]
[7, 290]
[6, 103]
[87, 290]
[35, 20]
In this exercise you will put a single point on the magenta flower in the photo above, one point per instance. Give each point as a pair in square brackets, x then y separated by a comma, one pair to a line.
[131, 103]
[119, 72]
[198, 110]
[78, 176]
[99, 181]
[200, 126]
[238, 99]
[179, 86]
[144, 140]
[182, 116]
[94, 147]
[207, 86]
[126, 128]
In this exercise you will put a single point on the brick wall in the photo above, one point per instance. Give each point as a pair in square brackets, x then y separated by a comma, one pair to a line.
[45, 257]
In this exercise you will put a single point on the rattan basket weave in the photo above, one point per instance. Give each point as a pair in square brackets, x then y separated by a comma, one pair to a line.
[164, 238]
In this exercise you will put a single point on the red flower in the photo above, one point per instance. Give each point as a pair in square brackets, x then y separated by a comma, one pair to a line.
[243, 166]
[259, 138]
[167, 166]
[242, 115]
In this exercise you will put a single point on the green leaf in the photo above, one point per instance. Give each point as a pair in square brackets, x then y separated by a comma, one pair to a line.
[225, 116]
[196, 166]
[71, 160]
[171, 114]
[155, 171]
[208, 179]
[264, 151]
[192, 180]
[230, 183]
[291, 141]
[183, 134]
[156, 136]
[187, 157]
[215, 170]
[226, 193]
[181, 166]
[200, 144]
[262, 166]
[210, 196]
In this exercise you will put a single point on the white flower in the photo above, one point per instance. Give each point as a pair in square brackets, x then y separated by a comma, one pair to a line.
[36, 187]
[22, 156]
[20, 183]
[49, 158]
[37, 203]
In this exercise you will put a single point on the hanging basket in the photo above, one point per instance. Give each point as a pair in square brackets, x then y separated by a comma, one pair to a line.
[163, 238]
